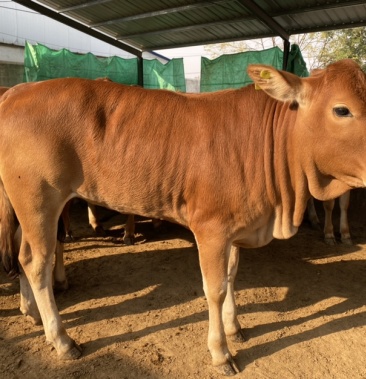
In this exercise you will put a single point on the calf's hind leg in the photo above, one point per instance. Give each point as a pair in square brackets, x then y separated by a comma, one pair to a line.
[28, 304]
[36, 258]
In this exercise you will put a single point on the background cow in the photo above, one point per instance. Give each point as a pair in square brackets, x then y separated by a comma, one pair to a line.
[95, 223]
[344, 230]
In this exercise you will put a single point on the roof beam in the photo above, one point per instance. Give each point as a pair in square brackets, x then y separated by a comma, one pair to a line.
[82, 5]
[268, 20]
[330, 27]
[79, 26]
[257, 13]
[316, 8]
[256, 36]
[204, 42]
[160, 12]
[183, 28]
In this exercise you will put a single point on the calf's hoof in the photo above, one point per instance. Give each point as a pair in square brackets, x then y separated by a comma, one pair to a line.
[34, 317]
[238, 336]
[35, 320]
[73, 353]
[229, 368]
[61, 286]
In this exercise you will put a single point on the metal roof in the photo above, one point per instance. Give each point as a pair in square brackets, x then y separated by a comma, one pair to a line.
[141, 25]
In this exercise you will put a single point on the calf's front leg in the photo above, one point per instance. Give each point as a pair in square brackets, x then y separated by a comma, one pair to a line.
[229, 313]
[214, 258]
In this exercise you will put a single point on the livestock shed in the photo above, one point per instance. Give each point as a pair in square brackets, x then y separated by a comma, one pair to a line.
[138, 26]
[139, 311]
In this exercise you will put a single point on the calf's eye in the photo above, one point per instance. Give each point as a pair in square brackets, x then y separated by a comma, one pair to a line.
[342, 112]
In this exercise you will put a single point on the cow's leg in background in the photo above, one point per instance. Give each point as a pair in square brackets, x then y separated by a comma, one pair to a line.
[59, 274]
[329, 237]
[328, 230]
[65, 216]
[129, 235]
[312, 215]
[344, 225]
[94, 221]
[231, 324]
[92, 217]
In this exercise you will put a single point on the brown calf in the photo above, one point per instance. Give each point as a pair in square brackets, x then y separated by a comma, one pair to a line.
[238, 169]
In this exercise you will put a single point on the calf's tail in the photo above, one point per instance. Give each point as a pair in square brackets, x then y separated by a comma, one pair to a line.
[8, 224]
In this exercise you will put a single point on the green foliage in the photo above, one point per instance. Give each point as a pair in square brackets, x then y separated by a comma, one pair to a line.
[218, 49]
[318, 49]
[342, 44]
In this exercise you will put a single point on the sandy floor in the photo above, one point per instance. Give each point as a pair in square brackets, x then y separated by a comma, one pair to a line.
[139, 311]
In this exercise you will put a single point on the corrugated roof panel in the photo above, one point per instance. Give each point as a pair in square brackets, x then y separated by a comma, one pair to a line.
[158, 24]
[232, 32]
[253, 28]
[323, 20]
[169, 23]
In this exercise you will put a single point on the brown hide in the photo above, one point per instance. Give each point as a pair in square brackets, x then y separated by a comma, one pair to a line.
[154, 153]
[236, 167]
[9, 255]
[3, 90]
[183, 157]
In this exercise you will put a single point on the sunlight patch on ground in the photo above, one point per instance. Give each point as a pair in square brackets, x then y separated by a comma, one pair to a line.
[107, 301]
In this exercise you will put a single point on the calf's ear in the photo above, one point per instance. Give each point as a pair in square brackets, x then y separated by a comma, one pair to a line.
[280, 85]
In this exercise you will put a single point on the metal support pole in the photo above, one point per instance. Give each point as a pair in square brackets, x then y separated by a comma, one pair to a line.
[140, 71]
[286, 52]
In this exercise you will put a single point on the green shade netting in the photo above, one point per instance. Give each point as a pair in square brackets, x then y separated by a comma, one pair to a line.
[229, 71]
[169, 76]
[226, 71]
[296, 63]
[41, 63]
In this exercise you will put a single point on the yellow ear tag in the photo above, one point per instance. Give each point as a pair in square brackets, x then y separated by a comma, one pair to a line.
[264, 74]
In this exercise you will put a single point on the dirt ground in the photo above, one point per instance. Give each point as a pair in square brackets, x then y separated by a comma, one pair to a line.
[139, 311]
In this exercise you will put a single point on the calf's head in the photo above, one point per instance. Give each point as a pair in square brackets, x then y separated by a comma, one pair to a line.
[328, 136]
